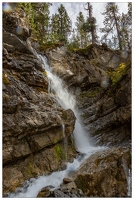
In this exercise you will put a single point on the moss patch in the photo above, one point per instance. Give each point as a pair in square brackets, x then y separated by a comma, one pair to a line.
[45, 73]
[50, 45]
[89, 49]
[32, 170]
[5, 79]
[92, 93]
[117, 74]
[59, 152]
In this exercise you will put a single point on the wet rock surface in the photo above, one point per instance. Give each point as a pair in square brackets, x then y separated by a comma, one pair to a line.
[69, 190]
[105, 174]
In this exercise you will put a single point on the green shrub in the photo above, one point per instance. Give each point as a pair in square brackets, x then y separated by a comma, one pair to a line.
[117, 73]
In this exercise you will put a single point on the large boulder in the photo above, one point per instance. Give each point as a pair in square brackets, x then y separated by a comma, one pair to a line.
[106, 174]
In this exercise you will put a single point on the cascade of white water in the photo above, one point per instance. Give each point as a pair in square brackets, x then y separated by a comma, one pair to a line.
[82, 141]
[67, 101]
[33, 186]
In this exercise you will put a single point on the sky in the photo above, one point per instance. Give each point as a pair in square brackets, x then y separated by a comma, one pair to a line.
[73, 8]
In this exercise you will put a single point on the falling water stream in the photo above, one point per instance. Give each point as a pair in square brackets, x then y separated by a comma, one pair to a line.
[83, 142]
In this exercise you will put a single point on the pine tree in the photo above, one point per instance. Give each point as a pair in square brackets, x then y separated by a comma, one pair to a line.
[54, 28]
[60, 25]
[90, 25]
[41, 19]
[37, 15]
[65, 24]
[126, 28]
[112, 22]
[74, 42]
[82, 34]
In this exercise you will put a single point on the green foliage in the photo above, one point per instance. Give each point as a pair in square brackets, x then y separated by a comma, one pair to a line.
[49, 45]
[87, 50]
[59, 152]
[73, 44]
[45, 73]
[61, 25]
[112, 22]
[81, 34]
[90, 24]
[37, 15]
[117, 74]
[31, 169]
[126, 28]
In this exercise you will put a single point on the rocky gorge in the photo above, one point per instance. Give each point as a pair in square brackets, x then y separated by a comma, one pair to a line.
[33, 138]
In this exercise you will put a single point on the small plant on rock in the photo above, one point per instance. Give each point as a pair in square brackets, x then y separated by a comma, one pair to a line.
[117, 74]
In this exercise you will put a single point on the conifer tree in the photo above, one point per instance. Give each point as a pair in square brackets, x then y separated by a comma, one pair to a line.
[82, 34]
[65, 24]
[61, 25]
[74, 42]
[90, 25]
[38, 18]
[112, 22]
[55, 28]
[126, 28]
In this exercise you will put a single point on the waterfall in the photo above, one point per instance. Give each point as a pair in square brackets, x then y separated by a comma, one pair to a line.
[67, 101]
[82, 141]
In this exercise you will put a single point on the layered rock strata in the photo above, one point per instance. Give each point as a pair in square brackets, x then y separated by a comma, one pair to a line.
[33, 139]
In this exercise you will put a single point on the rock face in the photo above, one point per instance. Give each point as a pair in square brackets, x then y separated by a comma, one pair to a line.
[33, 139]
[105, 106]
[105, 174]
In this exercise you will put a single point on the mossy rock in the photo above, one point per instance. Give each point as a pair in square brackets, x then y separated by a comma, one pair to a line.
[89, 49]
[91, 93]
[5, 79]
[59, 151]
[50, 45]
[32, 170]
[45, 73]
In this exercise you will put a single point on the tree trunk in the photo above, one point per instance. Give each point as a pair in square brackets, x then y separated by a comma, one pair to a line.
[118, 32]
[90, 16]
